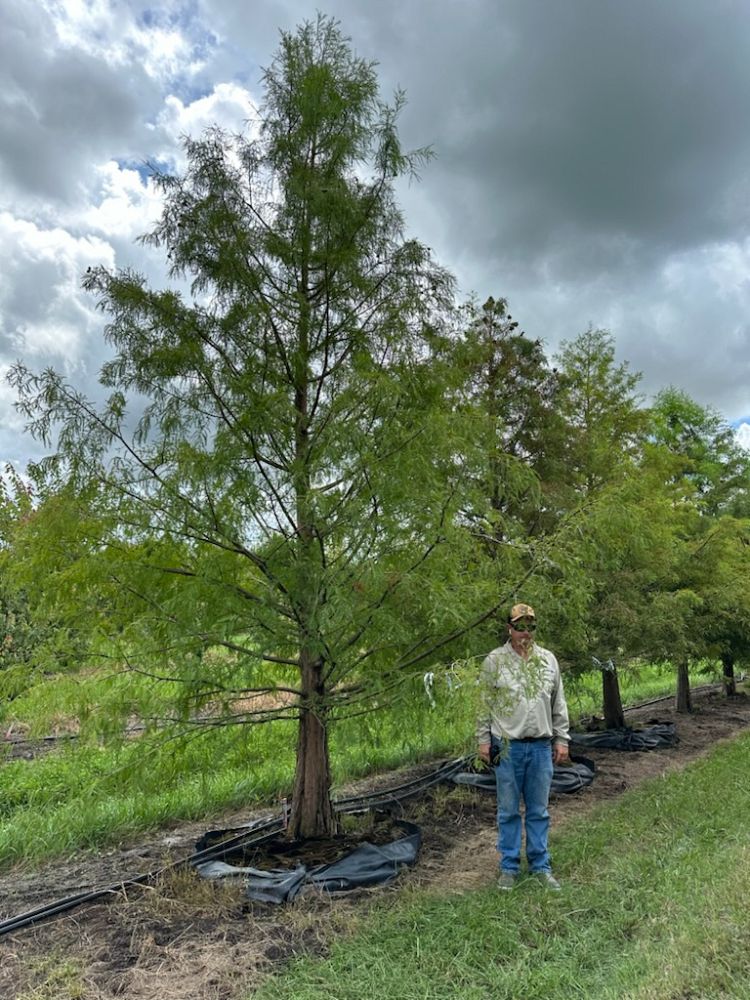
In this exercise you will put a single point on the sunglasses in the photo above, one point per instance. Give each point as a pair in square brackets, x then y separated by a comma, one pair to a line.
[523, 626]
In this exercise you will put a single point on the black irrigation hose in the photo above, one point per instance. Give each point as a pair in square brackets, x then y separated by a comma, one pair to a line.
[376, 800]
[259, 832]
[21, 741]
[669, 697]
[12, 741]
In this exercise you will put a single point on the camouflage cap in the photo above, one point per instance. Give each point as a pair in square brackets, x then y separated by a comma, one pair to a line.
[521, 611]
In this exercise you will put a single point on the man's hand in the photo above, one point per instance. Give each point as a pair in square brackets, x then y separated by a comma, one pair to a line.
[484, 752]
[560, 754]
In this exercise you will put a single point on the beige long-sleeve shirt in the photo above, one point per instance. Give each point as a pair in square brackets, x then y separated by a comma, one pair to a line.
[522, 698]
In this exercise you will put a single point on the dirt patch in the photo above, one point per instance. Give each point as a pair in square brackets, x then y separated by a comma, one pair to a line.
[195, 940]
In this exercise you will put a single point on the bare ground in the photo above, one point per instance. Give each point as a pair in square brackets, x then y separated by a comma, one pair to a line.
[187, 939]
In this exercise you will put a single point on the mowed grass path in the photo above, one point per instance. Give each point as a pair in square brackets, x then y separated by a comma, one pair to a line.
[654, 906]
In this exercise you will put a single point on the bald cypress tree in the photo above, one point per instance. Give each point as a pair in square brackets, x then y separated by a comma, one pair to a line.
[271, 451]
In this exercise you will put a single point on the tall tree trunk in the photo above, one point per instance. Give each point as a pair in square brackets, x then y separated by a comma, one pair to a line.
[683, 701]
[312, 812]
[614, 716]
[730, 684]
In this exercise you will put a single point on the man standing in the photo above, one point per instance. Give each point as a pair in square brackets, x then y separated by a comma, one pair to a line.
[523, 732]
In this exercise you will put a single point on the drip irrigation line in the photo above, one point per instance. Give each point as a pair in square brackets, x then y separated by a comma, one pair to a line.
[376, 800]
[253, 836]
[670, 697]
[12, 741]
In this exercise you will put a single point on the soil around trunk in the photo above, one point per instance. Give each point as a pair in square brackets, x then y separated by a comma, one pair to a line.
[189, 939]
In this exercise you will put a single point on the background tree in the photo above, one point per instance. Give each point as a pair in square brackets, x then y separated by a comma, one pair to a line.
[604, 419]
[291, 476]
[712, 473]
[710, 459]
[631, 540]
[596, 475]
[497, 381]
[506, 376]
[19, 634]
[38, 635]
[725, 622]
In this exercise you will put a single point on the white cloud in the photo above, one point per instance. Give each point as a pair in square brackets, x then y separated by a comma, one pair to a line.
[579, 172]
[126, 205]
[43, 310]
[229, 106]
[722, 269]
[114, 33]
[10, 419]
[742, 433]
[729, 268]
[45, 317]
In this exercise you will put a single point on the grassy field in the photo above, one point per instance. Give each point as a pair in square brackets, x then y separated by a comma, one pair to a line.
[85, 794]
[653, 907]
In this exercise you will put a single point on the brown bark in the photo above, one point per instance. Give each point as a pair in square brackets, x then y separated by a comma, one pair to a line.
[730, 683]
[683, 700]
[312, 812]
[614, 716]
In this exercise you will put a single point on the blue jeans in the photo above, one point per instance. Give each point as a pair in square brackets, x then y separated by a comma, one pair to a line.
[524, 771]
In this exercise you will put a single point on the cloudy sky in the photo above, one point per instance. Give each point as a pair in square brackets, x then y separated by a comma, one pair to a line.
[592, 162]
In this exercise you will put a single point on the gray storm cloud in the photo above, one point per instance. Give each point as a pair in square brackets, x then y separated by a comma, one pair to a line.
[591, 156]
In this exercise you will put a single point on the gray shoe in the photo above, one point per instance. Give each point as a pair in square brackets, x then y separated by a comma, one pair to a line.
[548, 880]
[507, 880]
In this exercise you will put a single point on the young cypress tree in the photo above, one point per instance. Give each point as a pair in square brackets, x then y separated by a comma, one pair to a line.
[272, 446]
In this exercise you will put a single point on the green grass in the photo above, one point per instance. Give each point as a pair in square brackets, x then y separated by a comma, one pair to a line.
[99, 699]
[653, 907]
[55, 977]
[85, 796]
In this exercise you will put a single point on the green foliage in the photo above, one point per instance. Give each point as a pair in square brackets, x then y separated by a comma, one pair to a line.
[626, 547]
[86, 794]
[19, 634]
[92, 703]
[306, 487]
[503, 378]
[710, 460]
[703, 600]
[604, 420]
[37, 634]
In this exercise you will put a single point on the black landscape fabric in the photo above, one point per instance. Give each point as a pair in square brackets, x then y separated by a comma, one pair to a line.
[367, 865]
[569, 778]
[659, 734]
